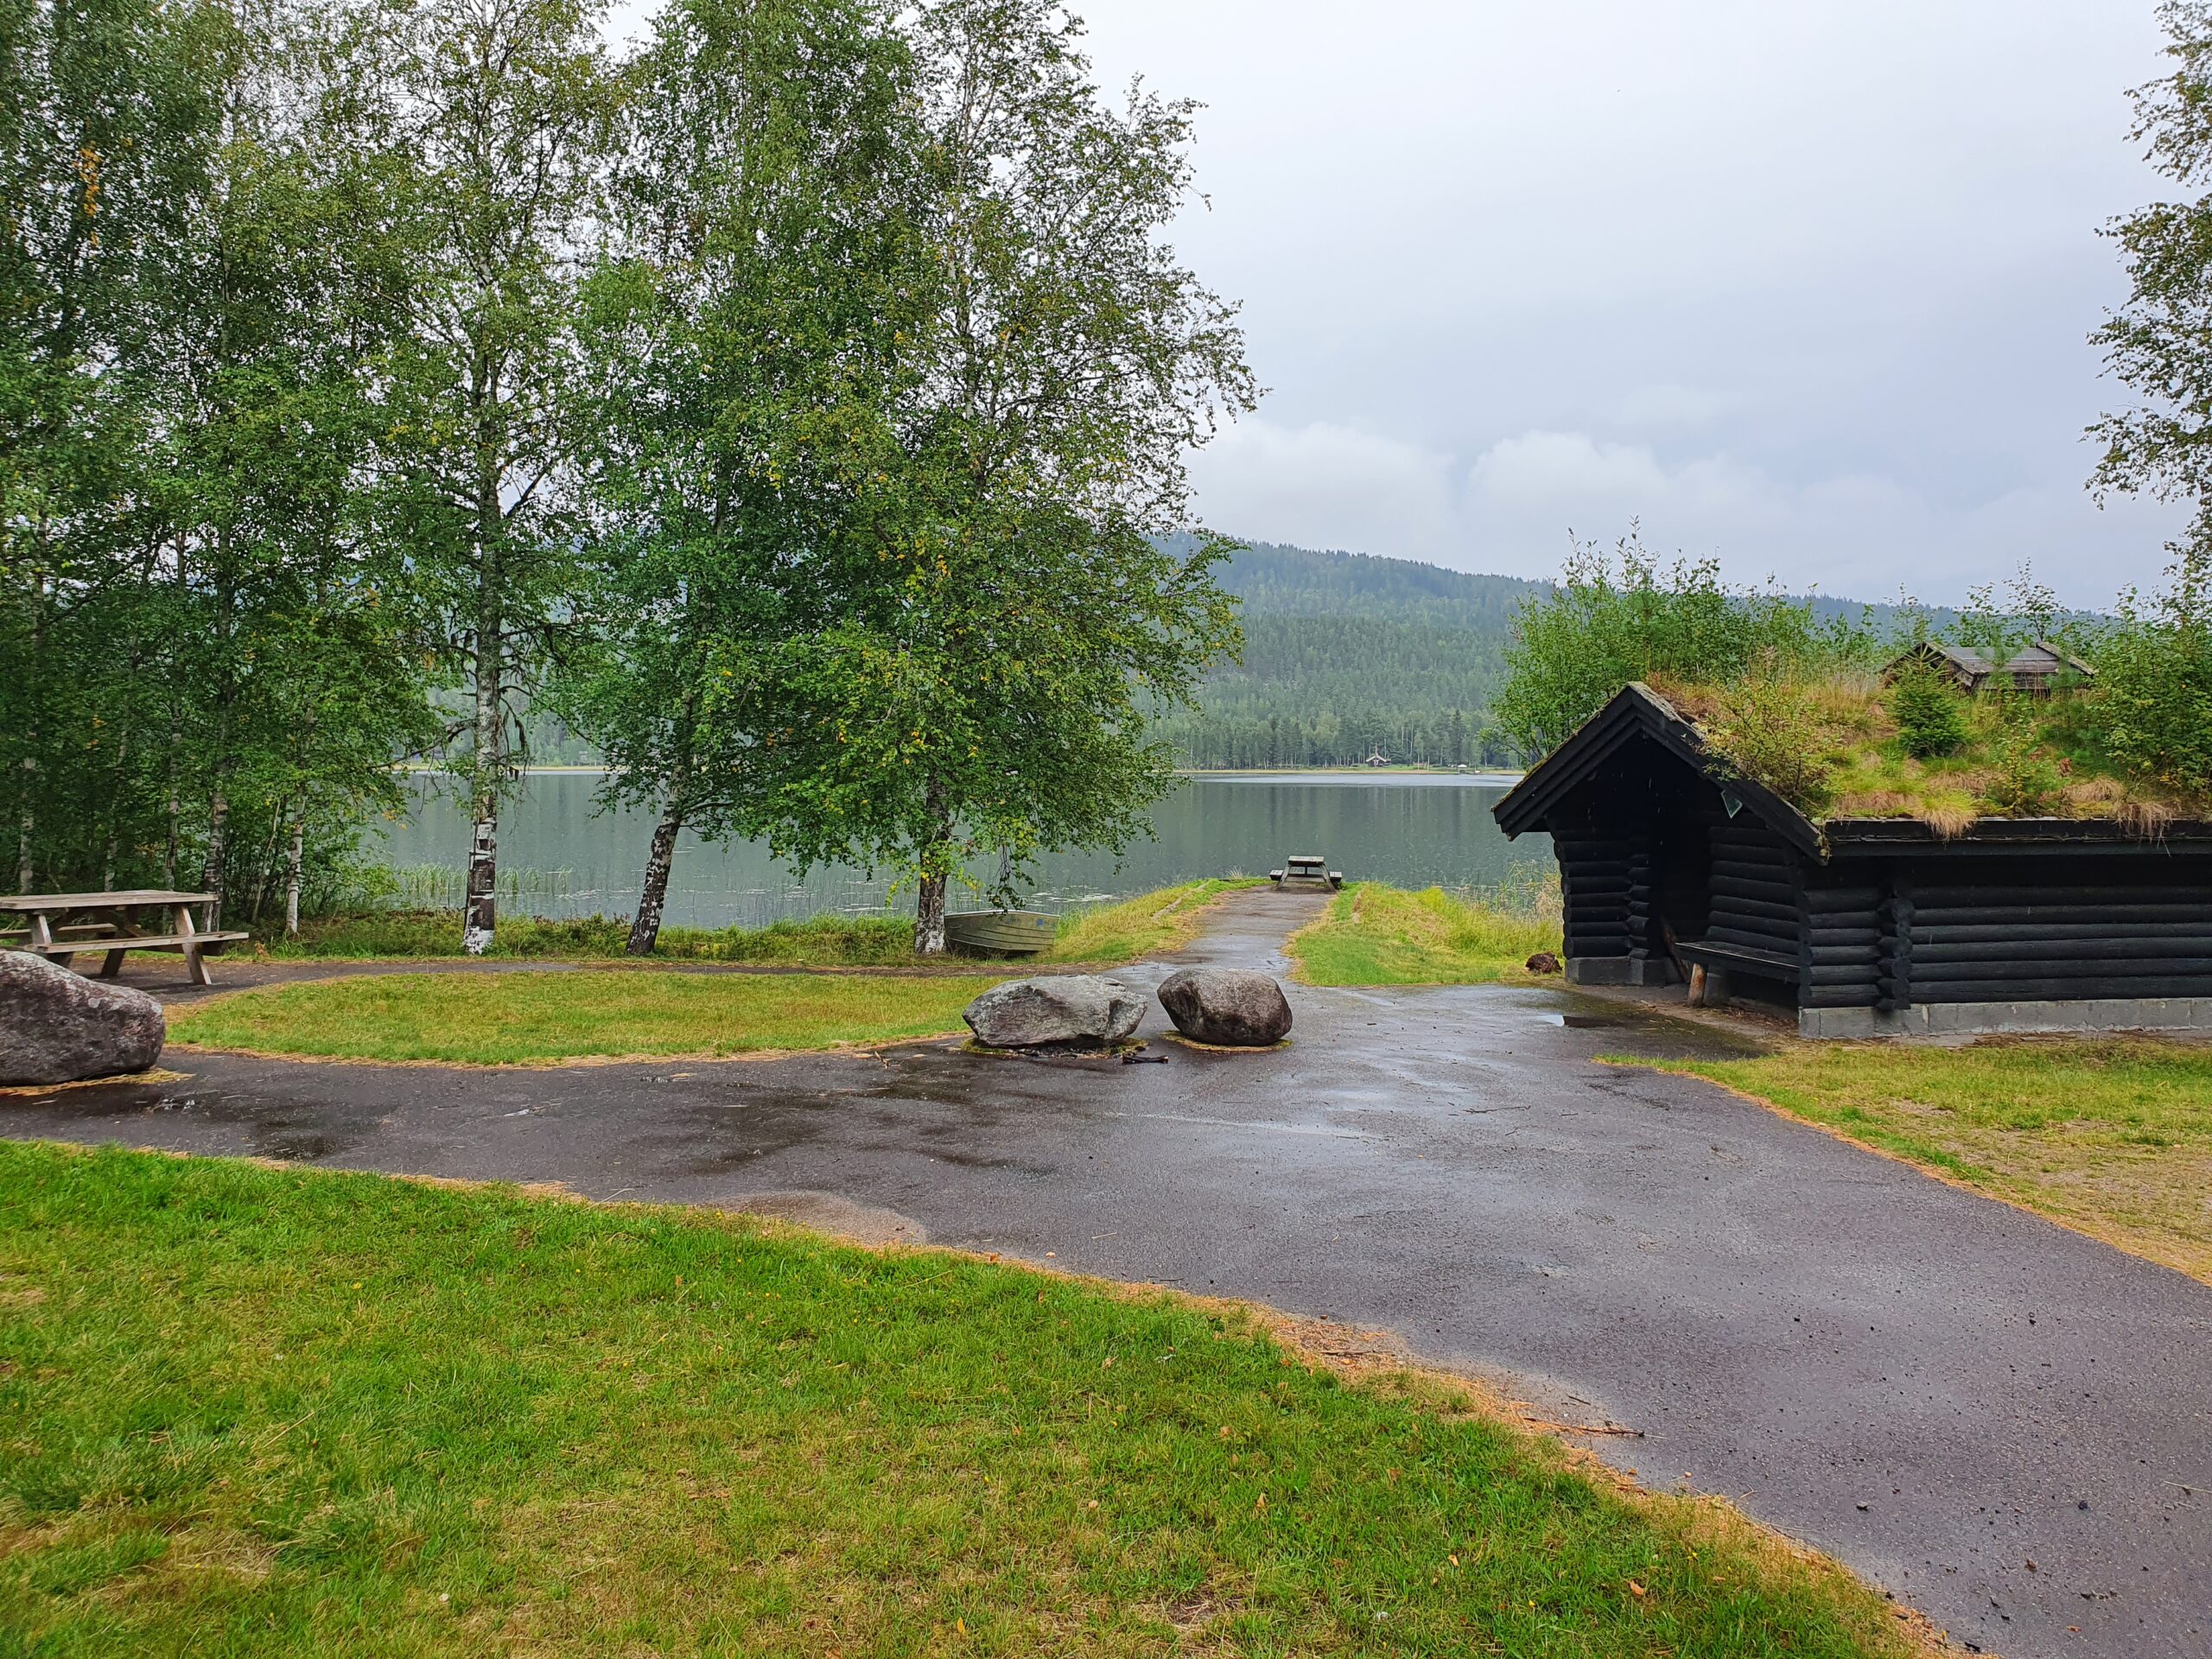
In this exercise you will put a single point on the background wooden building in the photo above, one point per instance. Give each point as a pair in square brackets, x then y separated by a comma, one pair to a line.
[2038, 670]
[1866, 926]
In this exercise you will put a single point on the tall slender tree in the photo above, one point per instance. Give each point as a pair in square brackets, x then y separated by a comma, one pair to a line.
[498, 115]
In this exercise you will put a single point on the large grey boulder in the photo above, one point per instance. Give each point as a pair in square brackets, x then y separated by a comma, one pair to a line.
[1230, 1007]
[1070, 1011]
[57, 1027]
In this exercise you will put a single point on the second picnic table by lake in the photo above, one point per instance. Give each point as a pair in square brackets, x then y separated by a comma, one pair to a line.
[61, 926]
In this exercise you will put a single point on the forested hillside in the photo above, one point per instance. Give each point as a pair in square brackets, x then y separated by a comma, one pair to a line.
[1345, 654]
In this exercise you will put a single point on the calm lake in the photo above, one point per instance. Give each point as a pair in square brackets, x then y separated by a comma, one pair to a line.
[564, 859]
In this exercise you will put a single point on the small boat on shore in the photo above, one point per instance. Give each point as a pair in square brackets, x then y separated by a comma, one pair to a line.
[1001, 932]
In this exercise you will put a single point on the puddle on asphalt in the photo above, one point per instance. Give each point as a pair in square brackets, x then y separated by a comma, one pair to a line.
[1639, 1034]
[295, 1131]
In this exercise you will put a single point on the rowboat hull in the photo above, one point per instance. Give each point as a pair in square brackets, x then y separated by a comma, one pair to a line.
[1001, 932]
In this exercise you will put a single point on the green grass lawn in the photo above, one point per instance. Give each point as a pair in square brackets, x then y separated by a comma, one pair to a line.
[1143, 926]
[2111, 1135]
[1375, 935]
[1112, 933]
[253, 1411]
[509, 1019]
[820, 942]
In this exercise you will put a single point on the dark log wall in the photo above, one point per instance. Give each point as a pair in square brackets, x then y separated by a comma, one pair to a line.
[1652, 847]
[1757, 888]
[1605, 886]
[2055, 926]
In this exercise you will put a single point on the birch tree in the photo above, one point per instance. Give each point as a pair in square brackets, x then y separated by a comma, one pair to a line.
[738, 333]
[1007, 619]
[498, 115]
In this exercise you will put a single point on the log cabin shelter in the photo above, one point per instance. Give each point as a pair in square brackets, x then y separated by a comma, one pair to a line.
[1673, 869]
[2037, 669]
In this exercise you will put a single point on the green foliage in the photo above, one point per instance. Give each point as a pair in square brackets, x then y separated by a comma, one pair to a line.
[818, 941]
[2021, 778]
[1931, 715]
[1002, 619]
[2153, 708]
[1623, 617]
[491, 125]
[354, 1415]
[742, 324]
[1772, 729]
[2156, 343]
[206, 661]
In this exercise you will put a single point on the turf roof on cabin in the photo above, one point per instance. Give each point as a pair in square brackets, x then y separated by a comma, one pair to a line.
[1936, 803]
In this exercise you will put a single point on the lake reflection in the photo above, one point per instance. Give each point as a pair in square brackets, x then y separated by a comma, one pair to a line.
[1411, 829]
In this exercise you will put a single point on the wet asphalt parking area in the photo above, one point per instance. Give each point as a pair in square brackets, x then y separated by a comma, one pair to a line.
[2002, 1423]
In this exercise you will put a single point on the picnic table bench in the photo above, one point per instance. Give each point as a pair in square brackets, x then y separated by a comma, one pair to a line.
[1306, 867]
[105, 922]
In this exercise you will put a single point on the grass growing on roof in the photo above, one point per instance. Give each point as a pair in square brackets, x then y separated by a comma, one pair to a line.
[507, 1019]
[1830, 745]
[280, 1411]
[1143, 927]
[2112, 1135]
[1376, 935]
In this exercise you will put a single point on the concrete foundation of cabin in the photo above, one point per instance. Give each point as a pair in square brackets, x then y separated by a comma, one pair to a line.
[1989, 1019]
[1620, 970]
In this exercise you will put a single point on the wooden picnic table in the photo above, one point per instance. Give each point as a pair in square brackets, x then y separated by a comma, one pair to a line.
[107, 923]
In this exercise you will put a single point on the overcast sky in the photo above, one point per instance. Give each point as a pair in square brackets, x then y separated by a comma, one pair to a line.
[1805, 285]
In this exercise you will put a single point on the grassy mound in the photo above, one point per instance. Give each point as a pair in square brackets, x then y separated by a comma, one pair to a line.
[1835, 746]
[1374, 935]
[2111, 1135]
[509, 1019]
[275, 1412]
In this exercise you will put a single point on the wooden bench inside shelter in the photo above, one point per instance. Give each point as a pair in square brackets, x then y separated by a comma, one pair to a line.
[61, 926]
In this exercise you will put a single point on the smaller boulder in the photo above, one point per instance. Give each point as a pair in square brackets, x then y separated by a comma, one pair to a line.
[1543, 963]
[58, 1026]
[1229, 1007]
[1060, 1011]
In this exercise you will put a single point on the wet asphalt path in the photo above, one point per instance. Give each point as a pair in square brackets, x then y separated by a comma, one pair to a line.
[1934, 1386]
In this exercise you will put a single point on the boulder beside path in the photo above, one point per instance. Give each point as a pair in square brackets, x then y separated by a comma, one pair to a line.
[1229, 1007]
[1060, 1011]
[58, 1026]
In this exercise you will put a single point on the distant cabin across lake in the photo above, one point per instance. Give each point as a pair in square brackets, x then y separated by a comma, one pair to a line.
[1866, 926]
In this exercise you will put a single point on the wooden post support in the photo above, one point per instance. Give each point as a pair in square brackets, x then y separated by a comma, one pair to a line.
[193, 964]
[1697, 985]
